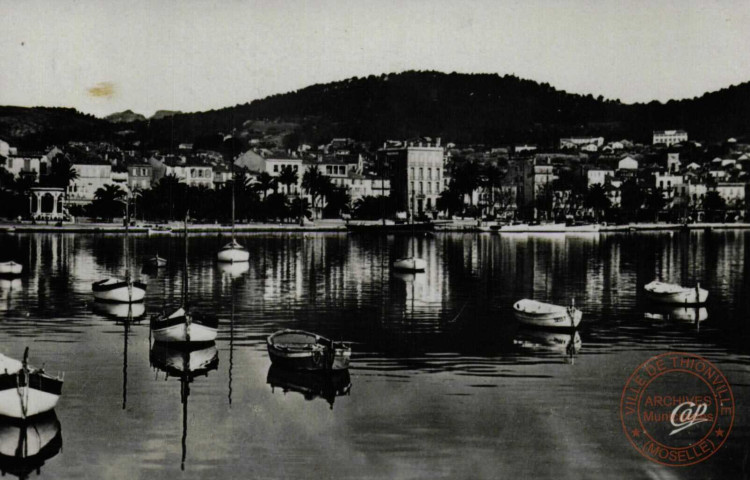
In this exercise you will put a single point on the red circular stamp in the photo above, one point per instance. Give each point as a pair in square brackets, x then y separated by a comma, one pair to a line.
[677, 409]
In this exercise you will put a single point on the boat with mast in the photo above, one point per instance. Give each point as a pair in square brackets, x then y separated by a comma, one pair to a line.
[180, 325]
[26, 391]
[233, 252]
[117, 290]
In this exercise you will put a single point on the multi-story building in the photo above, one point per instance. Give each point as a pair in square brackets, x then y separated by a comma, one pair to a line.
[734, 193]
[92, 175]
[669, 137]
[22, 164]
[598, 176]
[538, 177]
[140, 176]
[416, 171]
[578, 142]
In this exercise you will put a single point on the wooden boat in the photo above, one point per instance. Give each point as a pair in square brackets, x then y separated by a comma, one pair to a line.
[156, 262]
[10, 268]
[300, 350]
[120, 291]
[672, 293]
[115, 289]
[26, 444]
[26, 391]
[317, 384]
[410, 264]
[546, 315]
[233, 252]
[180, 325]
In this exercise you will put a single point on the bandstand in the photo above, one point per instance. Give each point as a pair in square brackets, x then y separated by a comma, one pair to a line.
[47, 203]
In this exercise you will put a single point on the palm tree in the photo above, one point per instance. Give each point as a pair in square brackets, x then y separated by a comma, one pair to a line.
[108, 201]
[288, 177]
[312, 183]
[265, 183]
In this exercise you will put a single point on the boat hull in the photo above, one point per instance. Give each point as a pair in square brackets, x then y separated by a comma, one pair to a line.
[11, 268]
[674, 294]
[23, 399]
[233, 255]
[410, 264]
[180, 328]
[541, 315]
[308, 352]
[118, 291]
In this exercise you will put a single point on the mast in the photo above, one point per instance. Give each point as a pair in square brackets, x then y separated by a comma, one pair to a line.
[234, 181]
[127, 249]
[184, 272]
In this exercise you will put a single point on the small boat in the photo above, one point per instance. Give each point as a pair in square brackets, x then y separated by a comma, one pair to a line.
[312, 385]
[233, 252]
[546, 315]
[10, 268]
[156, 262]
[26, 444]
[672, 293]
[26, 391]
[410, 264]
[180, 325]
[159, 230]
[299, 350]
[116, 290]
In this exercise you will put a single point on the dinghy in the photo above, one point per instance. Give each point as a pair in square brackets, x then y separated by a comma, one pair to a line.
[546, 315]
[299, 350]
[120, 291]
[10, 268]
[26, 444]
[26, 391]
[233, 252]
[671, 293]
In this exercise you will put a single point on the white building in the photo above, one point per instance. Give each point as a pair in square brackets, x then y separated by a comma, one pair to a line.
[92, 175]
[598, 176]
[669, 137]
[732, 192]
[578, 142]
[23, 164]
[416, 174]
[673, 162]
[627, 163]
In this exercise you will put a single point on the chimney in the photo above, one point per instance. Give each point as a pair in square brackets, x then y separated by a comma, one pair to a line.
[437, 142]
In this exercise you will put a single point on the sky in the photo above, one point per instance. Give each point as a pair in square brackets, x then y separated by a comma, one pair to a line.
[192, 55]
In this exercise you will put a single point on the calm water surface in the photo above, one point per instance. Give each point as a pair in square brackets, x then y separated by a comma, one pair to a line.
[444, 384]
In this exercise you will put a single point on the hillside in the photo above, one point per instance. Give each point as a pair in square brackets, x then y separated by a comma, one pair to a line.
[127, 116]
[33, 128]
[464, 108]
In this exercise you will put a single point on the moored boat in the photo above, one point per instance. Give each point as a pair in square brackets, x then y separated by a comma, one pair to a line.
[26, 391]
[26, 444]
[410, 264]
[10, 268]
[116, 290]
[233, 252]
[672, 293]
[300, 350]
[546, 315]
[180, 326]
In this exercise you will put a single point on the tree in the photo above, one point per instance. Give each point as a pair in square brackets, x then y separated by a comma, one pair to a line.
[108, 202]
[312, 183]
[62, 173]
[491, 179]
[715, 206]
[338, 201]
[632, 198]
[466, 178]
[655, 202]
[372, 208]
[450, 200]
[277, 206]
[288, 177]
[265, 182]
[597, 200]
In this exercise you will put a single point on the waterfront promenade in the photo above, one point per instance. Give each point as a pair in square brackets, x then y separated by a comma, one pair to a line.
[325, 225]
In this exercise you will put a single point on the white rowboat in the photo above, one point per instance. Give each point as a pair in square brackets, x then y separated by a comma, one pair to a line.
[233, 252]
[547, 315]
[672, 293]
[119, 291]
[26, 391]
[181, 327]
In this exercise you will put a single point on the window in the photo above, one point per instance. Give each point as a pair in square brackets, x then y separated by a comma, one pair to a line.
[421, 173]
[421, 188]
[275, 168]
[295, 168]
[429, 173]
[411, 172]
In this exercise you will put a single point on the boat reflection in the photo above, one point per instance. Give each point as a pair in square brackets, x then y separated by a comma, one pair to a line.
[234, 270]
[119, 311]
[567, 343]
[7, 287]
[690, 314]
[311, 384]
[25, 445]
[185, 363]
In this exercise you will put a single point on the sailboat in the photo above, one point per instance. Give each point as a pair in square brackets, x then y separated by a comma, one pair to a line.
[233, 252]
[185, 364]
[411, 263]
[116, 290]
[181, 325]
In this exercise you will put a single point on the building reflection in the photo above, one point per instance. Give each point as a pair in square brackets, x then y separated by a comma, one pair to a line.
[185, 364]
[8, 288]
[25, 445]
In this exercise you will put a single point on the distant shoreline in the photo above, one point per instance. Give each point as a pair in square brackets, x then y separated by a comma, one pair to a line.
[461, 226]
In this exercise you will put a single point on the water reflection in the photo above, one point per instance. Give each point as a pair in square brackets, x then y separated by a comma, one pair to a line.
[185, 363]
[8, 287]
[566, 343]
[312, 385]
[691, 314]
[25, 445]
[119, 311]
